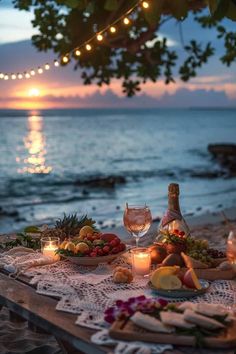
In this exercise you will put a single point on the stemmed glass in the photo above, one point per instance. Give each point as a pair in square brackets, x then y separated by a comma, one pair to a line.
[137, 220]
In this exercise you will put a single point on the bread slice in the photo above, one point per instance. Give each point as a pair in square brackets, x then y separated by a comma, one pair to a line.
[150, 323]
[193, 263]
[201, 321]
[175, 319]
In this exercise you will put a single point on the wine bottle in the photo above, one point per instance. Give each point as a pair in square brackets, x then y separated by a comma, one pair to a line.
[172, 219]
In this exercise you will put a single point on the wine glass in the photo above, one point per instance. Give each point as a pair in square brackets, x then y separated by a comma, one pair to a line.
[137, 220]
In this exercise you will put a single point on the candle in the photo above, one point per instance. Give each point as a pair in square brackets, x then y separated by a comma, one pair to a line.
[141, 261]
[49, 245]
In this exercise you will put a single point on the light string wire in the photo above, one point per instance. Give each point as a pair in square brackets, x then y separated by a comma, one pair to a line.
[64, 59]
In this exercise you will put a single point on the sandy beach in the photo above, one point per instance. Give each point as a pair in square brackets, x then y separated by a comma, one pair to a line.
[17, 338]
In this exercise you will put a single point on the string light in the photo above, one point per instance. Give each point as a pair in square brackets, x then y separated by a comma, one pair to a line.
[126, 21]
[99, 37]
[88, 47]
[65, 59]
[112, 28]
[77, 52]
[145, 4]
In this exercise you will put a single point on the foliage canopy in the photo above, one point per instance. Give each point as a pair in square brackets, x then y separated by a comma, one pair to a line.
[136, 53]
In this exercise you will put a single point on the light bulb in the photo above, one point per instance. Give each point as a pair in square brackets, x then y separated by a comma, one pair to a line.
[88, 47]
[6, 77]
[112, 29]
[1, 75]
[20, 76]
[99, 37]
[32, 72]
[145, 4]
[13, 76]
[56, 63]
[65, 59]
[27, 75]
[47, 66]
[126, 21]
[77, 52]
[40, 70]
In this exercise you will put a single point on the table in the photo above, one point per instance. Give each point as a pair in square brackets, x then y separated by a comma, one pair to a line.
[21, 299]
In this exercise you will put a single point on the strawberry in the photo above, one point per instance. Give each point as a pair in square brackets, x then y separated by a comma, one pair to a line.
[100, 252]
[93, 254]
[122, 246]
[115, 242]
[176, 231]
[182, 233]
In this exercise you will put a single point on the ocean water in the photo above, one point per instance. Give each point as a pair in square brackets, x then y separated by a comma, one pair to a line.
[47, 159]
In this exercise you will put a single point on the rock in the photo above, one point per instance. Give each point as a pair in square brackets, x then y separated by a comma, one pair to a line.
[225, 155]
[102, 182]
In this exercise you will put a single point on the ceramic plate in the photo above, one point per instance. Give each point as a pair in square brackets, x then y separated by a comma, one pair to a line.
[182, 292]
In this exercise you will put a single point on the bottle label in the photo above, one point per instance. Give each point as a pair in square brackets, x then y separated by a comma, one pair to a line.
[170, 216]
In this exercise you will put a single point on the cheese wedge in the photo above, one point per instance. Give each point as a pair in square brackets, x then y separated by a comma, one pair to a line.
[201, 321]
[150, 323]
[175, 319]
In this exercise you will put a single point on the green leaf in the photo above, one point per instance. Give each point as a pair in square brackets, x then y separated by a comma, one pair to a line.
[179, 8]
[111, 5]
[231, 13]
[32, 229]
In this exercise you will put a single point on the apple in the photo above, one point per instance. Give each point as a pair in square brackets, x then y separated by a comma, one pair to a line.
[190, 279]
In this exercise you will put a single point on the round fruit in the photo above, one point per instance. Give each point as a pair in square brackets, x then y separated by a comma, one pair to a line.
[86, 230]
[158, 253]
[82, 247]
[106, 249]
[175, 248]
[63, 245]
[70, 246]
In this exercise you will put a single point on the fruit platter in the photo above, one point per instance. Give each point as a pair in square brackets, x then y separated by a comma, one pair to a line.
[171, 281]
[157, 321]
[91, 247]
[188, 252]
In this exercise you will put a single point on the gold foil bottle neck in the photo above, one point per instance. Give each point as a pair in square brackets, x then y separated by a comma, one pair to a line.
[173, 188]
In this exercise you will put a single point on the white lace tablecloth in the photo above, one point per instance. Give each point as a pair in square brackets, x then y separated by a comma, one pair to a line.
[87, 291]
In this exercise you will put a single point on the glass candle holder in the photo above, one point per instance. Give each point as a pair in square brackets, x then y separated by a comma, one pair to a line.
[231, 249]
[49, 245]
[141, 261]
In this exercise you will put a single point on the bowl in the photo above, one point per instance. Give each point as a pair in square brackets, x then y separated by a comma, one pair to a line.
[93, 261]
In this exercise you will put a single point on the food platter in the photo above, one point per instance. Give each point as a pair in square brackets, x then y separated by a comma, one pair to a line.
[93, 261]
[127, 330]
[183, 292]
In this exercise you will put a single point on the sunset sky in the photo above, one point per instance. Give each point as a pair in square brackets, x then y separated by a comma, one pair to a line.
[62, 87]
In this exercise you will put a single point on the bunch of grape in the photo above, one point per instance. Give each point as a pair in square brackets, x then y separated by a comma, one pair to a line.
[215, 253]
[198, 249]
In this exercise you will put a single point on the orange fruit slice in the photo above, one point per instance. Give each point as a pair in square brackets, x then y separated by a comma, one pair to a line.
[162, 271]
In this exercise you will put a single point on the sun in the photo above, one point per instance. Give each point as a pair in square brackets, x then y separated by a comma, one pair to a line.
[34, 92]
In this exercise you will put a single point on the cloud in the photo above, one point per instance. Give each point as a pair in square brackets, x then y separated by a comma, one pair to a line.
[182, 98]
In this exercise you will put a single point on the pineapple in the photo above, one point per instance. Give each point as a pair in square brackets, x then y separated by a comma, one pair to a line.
[69, 226]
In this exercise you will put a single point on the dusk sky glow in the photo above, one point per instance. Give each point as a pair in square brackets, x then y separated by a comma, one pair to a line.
[63, 87]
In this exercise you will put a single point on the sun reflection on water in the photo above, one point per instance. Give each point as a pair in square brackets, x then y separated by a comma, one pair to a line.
[35, 145]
